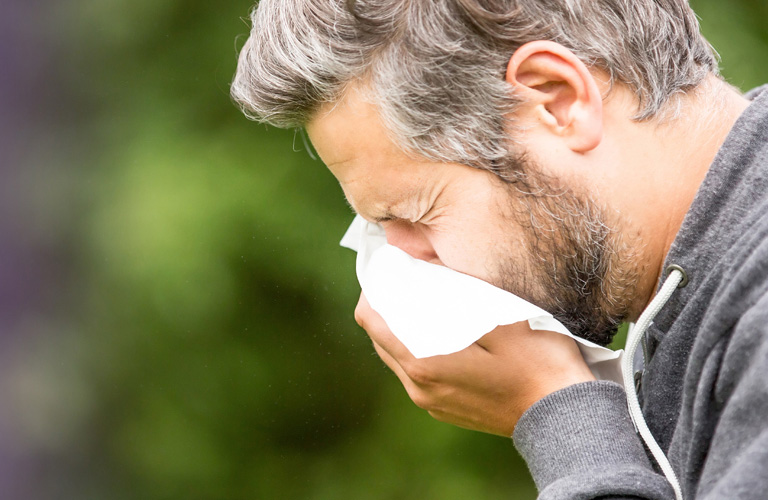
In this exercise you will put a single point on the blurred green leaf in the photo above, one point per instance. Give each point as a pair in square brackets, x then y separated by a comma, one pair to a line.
[210, 350]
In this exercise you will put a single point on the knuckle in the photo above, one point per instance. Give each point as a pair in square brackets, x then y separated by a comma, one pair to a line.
[359, 315]
[422, 400]
[438, 415]
[420, 373]
[381, 353]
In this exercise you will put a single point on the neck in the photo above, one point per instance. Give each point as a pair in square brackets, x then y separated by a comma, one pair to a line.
[683, 151]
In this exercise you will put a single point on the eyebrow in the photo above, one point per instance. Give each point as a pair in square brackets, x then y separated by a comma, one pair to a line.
[387, 214]
[385, 217]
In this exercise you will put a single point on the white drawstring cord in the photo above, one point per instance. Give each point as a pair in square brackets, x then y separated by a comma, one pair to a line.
[634, 336]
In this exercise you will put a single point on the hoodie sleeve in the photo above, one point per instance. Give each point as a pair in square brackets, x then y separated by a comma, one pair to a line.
[580, 442]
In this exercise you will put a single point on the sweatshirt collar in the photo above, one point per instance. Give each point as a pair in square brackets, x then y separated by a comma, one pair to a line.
[715, 219]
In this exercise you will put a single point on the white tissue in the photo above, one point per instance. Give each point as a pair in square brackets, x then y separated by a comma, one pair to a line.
[435, 310]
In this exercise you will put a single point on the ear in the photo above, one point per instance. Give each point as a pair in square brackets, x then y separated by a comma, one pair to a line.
[560, 91]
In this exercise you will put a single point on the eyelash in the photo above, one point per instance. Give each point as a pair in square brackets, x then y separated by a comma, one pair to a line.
[381, 220]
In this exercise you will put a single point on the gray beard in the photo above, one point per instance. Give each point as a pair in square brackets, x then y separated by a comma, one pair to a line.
[580, 268]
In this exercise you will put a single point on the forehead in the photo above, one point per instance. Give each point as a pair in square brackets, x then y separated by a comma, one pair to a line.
[352, 141]
[348, 129]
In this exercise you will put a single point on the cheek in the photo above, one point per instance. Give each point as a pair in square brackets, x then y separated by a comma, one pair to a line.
[487, 248]
[466, 253]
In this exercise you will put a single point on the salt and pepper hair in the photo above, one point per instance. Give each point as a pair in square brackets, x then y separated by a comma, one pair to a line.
[436, 68]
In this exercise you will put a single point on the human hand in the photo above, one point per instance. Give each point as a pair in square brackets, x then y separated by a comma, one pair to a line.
[487, 386]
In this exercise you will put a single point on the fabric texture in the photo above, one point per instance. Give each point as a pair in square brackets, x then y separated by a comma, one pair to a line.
[704, 390]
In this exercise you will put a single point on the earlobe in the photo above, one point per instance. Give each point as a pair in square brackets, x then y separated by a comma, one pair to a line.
[560, 92]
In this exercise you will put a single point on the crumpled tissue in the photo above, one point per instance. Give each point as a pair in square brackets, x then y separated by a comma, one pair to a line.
[435, 310]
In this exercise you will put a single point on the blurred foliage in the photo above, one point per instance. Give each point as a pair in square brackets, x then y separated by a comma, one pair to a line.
[204, 346]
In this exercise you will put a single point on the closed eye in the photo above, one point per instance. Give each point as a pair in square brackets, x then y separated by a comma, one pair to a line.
[388, 218]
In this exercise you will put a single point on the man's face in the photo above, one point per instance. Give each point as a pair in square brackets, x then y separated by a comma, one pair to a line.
[533, 237]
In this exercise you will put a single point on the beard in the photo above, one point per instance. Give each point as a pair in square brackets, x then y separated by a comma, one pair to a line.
[579, 266]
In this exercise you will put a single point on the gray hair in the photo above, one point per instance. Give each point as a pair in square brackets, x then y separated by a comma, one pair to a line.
[435, 68]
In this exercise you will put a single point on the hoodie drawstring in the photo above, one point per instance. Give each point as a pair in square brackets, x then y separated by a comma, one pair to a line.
[676, 279]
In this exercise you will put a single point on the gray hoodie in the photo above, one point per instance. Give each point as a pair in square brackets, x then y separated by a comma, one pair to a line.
[704, 391]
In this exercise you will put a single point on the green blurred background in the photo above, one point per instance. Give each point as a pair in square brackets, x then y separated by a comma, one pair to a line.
[176, 312]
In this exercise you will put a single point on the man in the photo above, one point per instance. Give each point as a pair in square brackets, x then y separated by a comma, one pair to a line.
[569, 152]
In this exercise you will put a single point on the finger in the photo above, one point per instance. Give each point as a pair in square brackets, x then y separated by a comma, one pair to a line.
[425, 372]
[517, 336]
[391, 362]
[379, 331]
[503, 337]
[411, 371]
[521, 336]
[555, 354]
[420, 397]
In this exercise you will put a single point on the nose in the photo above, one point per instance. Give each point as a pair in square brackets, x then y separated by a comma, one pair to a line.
[411, 239]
